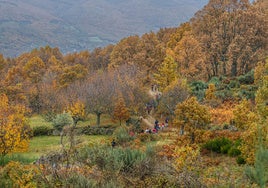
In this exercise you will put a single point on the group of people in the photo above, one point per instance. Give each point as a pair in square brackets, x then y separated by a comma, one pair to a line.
[157, 126]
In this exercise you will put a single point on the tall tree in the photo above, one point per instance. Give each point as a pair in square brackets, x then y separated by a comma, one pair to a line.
[191, 116]
[233, 34]
[167, 73]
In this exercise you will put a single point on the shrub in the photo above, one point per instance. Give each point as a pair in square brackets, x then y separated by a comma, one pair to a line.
[96, 130]
[234, 152]
[121, 134]
[218, 145]
[198, 89]
[42, 130]
[146, 137]
[225, 149]
[240, 160]
[234, 84]
[248, 78]
[62, 120]
[215, 80]
[118, 159]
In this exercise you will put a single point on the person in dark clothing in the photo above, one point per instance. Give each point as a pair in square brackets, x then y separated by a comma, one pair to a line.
[113, 143]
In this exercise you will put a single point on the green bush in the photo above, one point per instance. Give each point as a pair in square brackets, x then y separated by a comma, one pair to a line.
[247, 78]
[217, 144]
[234, 152]
[62, 120]
[234, 84]
[42, 130]
[225, 149]
[215, 80]
[240, 160]
[121, 134]
[119, 159]
[198, 89]
[96, 130]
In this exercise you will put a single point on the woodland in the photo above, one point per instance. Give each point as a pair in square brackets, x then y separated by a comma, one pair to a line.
[209, 77]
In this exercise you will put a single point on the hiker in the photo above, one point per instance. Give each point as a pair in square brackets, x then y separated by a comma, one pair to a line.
[113, 143]
[162, 126]
[166, 121]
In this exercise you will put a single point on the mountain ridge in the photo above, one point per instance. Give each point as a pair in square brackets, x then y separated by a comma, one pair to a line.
[84, 24]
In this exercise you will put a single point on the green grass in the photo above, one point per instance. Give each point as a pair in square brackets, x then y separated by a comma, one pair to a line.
[42, 145]
[38, 120]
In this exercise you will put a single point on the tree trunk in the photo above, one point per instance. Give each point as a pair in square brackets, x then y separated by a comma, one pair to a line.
[98, 118]
[192, 137]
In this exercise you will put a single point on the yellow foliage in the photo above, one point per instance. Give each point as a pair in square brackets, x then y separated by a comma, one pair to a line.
[14, 132]
[243, 115]
[186, 157]
[77, 111]
[191, 116]
[21, 175]
[210, 92]
[222, 114]
[167, 73]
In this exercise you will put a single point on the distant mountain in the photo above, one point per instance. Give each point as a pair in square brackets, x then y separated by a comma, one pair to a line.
[85, 24]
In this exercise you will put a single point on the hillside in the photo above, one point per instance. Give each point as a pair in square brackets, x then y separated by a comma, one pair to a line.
[77, 25]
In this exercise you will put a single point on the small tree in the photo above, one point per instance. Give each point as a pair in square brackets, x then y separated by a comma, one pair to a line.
[14, 131]
[121, 112]
[62, 120]
[191, 116]
[77, 111]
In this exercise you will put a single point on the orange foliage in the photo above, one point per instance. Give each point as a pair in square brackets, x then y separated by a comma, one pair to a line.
[222, 114]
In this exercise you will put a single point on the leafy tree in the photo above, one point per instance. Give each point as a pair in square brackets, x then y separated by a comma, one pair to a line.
[14, 131]
[124, 52]
[243, 115]
[191, 116]
[189, 55]
[233, 35]
[167, 73]
[77, 111]
[71, 74]
[121, 112]
[173, 94]
[34, 69]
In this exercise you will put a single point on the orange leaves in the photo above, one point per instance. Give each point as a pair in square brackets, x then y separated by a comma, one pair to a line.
[222, 114]
[121, 112]
[14, 133]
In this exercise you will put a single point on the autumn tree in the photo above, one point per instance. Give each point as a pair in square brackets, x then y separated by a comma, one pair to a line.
[150, 54]
[124, 52]
[14, 131]
[232, 34]
[173, 94]
[190, 58]
[71, 74]
[97, 94]
[246, 121]
[191, 116]
[121, 111]
[167, 73]
[77, 111]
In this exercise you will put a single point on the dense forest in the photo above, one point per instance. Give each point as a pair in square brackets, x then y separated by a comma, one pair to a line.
[209, 76]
